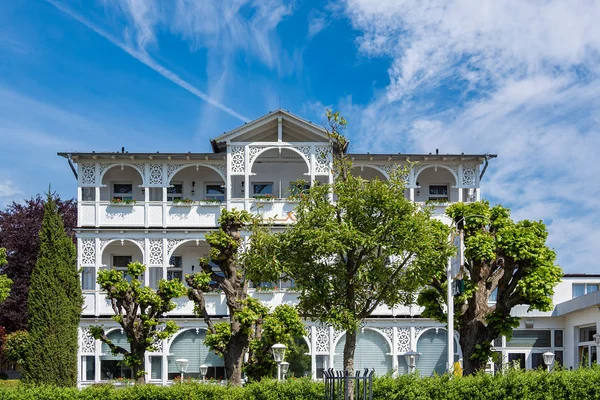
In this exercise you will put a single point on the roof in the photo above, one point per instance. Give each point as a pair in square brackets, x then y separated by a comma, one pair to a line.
[144, 156]
[306, 129]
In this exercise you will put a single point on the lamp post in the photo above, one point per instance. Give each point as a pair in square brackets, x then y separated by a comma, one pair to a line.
[548, 359]
[182, 365]
[278, 350]
[411, 358]
[203, 371]
[597, 340]
[285, 366]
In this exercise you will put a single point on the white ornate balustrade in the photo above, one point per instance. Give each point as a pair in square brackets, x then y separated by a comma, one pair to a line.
[96, 304]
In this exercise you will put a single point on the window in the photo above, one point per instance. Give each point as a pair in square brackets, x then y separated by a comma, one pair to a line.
[587, 334]
[175, 191]
[517, 359]
[438, 192]
[527, 338]
[298, 188]
[155, 367]
[88, 194]
[175, 271]
[88, 280]
[558, 338]
[262, 189]
[88, 368]
[122, 191]
[493, 296]
[121, 262]
[580, 289]
[214, 191]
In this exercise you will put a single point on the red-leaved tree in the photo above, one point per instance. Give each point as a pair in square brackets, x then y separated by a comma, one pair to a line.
[20, 224]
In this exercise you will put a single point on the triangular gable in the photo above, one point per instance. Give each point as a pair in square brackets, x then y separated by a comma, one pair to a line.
[265, 129]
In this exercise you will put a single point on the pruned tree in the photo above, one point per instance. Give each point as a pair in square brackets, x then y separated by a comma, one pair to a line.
[369, 247]
[233, 266]
[140, 310]
[502, 256]
[20, 225]
[54, 306]
[5, 282]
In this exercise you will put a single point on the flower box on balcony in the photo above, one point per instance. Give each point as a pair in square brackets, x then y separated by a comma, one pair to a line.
[121, 203]
[210, 203]
[182, 202]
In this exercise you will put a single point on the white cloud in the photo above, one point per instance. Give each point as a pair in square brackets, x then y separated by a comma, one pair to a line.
[8, 191]
[316, 23]
[523, 79]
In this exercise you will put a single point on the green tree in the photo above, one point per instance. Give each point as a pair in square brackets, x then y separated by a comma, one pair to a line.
[139, 310]
[5, 282]
[14, 346]
[501, 255]
[54, 306]
[248, 319]
[370, 246]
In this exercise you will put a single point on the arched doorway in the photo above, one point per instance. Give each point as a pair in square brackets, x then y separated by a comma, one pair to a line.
[189, 344]
[433, 347]
[368, 173]
[372, 352]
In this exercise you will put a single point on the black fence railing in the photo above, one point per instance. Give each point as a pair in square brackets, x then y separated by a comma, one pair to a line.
[339, 385]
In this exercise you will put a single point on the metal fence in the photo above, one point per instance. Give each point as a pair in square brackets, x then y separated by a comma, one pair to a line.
[338, 384]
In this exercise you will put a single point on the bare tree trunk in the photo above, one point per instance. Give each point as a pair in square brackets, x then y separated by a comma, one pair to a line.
[234, 357]
[138, 370]
[349, 348]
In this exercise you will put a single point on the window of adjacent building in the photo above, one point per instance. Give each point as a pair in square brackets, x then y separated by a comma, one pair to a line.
[529, 338]
[122, 191]
[580, 289]
[438, 192]
[175, 270]
[175, 191]
[586, 334]
[88, 368]
[262, 189]
[214, 191]
[558, 338]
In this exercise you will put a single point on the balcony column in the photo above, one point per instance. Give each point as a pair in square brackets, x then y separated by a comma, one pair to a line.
[164, 206]
[312, 165]
[97, 266]
[313, 352]
[411, 184]
[165, 260]
[146, 261]
[97, 197]
[146, 206]
[79, 199]
[331, 347]
[394, 351]
[246, 178]
[459, 185]
[228, 179]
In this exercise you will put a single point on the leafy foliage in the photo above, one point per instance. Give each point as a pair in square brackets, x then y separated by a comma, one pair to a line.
[251, 328]
[581, 384]
[501, 255]
[370, 246]
[139, 310]
[20, 224]
[14, 346]
[54, 306]
[5, 282]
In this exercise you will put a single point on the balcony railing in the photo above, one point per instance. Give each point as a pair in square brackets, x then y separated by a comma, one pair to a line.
[95, 304]
[150, 214]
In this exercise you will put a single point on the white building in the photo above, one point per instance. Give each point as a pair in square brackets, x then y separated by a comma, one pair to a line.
[257, 160]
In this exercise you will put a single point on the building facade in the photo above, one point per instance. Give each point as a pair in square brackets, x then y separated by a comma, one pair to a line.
[156, 208]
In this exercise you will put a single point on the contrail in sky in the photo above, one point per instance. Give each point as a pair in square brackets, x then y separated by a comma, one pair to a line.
[150, 62]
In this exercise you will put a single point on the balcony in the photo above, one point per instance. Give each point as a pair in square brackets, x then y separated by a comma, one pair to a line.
[151, 214]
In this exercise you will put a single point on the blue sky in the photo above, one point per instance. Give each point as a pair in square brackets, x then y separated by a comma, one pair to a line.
[519, 79]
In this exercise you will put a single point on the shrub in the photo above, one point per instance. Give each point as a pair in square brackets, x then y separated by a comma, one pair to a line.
[582, 384]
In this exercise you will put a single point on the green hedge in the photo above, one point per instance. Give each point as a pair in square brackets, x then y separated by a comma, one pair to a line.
[532, 385]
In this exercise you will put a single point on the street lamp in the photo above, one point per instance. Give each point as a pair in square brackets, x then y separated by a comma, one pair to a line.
[203, 371]
[548, 359]
[411, 358]
[278, 350]
[285, 366]
[182, 365]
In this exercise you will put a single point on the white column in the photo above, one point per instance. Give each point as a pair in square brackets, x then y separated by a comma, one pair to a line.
[164, 207]
[146, 205]
[97, 206]
[98, 264]
[394, 351]
[165, 364]
[331, 348]
[246, 177]
[279, 129]
[313, 352]
[228, 185]
[459, 183]
[450, 304]
[411, 184]
[146, 258]
[312, 165]
[165, 261]
[97, 353]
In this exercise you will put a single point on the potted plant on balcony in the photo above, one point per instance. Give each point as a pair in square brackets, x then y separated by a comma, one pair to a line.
[185, 202]
[210, 202]
[265, 197]
[118, 201]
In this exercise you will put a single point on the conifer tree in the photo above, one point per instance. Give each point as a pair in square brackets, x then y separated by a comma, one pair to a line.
[54, 306]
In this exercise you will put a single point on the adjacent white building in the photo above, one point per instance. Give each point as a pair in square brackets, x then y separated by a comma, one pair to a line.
[156, 208]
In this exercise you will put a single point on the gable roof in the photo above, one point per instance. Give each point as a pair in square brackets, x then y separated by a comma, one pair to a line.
[264, 127]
